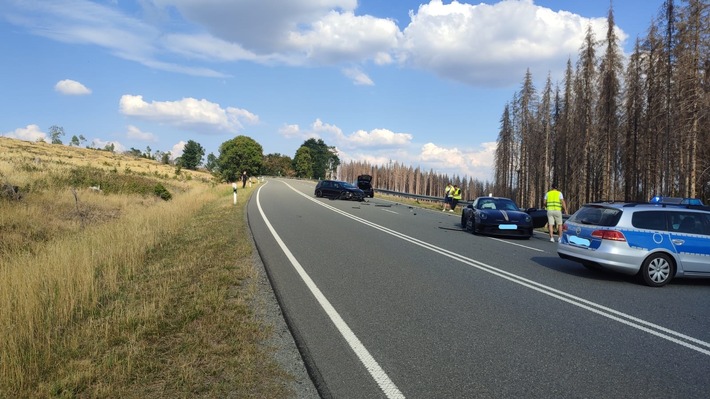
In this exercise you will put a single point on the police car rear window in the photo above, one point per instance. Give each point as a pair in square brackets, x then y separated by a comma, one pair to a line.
[597, 215]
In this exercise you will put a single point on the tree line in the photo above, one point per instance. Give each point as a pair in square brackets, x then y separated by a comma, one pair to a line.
[396, 176]
[615, 130]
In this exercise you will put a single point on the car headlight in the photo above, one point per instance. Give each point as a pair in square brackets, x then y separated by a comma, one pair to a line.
[483, 215]
[528, 218]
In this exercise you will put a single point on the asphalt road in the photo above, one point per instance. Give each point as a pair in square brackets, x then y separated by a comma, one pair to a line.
[389, 301]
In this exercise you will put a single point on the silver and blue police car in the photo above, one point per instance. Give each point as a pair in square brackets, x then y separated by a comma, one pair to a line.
[657, 242]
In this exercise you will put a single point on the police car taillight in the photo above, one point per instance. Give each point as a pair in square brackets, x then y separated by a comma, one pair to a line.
[612, 235]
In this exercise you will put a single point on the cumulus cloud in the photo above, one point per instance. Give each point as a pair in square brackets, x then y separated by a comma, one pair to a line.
[476, 163]
[294, 132]
[376, 138]
[135, 133]
[188, 113]
[177, 149]
[71, 88]
[341, 37]
[28, 133]
[491, 44]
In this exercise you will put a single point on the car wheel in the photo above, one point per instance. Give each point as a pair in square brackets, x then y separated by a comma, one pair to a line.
[464, 221]
[474, 226]
[657, 270]
[319, 193]
[348, 195]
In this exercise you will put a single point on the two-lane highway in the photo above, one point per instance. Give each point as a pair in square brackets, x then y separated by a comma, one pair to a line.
[390, 301]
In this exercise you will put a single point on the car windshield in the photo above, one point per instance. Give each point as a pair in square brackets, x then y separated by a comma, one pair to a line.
[498, 203]
[347, 185]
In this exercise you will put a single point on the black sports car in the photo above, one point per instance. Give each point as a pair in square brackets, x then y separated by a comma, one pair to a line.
[496, 216]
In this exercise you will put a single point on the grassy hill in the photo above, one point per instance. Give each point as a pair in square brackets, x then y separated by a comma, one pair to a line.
[123, 277]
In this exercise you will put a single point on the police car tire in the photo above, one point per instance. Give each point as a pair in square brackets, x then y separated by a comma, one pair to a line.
[657, 270]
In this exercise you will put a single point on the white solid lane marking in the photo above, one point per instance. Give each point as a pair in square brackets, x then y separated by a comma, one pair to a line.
[516, 244]
[377, 373]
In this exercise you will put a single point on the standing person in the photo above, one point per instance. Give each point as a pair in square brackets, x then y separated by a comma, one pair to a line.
[455, 197]
[447, 196]
[244, 179]
[554, 202]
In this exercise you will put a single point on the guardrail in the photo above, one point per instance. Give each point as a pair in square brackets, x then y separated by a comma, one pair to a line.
[417, 196]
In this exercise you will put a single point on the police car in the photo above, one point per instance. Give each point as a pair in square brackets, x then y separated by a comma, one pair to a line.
[657, 242]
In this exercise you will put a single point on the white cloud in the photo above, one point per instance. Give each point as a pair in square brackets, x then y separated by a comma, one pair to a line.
[377, 138]
[295, 132]
[476, 163]
[358, 77]
[493, 44]
[135, 133]
[188, 113]
[177, 149]
[28, 133]
[71, 87]
[341, 37]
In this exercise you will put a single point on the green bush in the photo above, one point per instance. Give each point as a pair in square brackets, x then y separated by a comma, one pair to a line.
[162, 192]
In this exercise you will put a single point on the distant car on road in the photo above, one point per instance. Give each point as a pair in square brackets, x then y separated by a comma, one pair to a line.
[336, 189]
[496, 216]
[364, 183]
[656, 242]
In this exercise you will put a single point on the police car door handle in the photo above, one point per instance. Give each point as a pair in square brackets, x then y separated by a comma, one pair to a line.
[678, 242]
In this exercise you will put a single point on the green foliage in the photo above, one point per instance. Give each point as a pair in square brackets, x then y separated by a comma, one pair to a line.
[239, 154]
[211, 163]
[303, 163]
[160, 191]
[324, 158]
[192, 155]
[277, 165]
[111, 183]
[74, 141]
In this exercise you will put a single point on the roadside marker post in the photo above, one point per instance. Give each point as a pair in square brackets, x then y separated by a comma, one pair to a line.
[234, 188]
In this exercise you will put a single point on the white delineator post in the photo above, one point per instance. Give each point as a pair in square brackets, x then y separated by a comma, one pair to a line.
[234, 188]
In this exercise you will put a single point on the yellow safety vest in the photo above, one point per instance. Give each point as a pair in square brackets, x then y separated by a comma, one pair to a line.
[554, 200]
[456, 194]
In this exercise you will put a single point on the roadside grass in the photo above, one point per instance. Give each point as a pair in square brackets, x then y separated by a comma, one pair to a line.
[125, 294]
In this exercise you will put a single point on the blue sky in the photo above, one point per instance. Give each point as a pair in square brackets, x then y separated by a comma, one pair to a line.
[421, 83]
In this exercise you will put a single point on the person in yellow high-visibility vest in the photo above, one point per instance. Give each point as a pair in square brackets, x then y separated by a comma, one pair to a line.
[554, 202]
[455, 197]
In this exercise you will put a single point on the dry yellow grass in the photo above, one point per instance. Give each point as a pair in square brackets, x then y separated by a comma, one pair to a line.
[118, 293]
